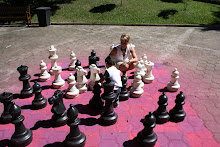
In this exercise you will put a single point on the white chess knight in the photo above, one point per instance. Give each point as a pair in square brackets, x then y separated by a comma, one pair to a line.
[137, 86]
[73, 61]
[53, 57]
[173, 85]
[58, 81]
[148, 77]
[81, 79]
[72, 91]
[44, 75]
[94, 76]
[139, 69]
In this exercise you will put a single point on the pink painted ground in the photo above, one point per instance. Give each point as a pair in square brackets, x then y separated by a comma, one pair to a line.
[190, 132]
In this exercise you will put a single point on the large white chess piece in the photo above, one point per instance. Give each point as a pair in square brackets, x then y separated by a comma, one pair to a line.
[81, 79]
[72, 91]
[148, 77]
[144, 58]
[139, 69]
[53, 57]
[58, 81]
[173, 85]
[44, 75]
[73, 61]
[94, 76]
[137, 86]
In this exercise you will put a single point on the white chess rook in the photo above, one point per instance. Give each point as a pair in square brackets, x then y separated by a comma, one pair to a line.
[53, 57]
[44, 75]
[137, 87]
[81, 79]
[173, 85]
[72, 91]
[73, 61]
[58, 81]
[94, 76]
[148, 77]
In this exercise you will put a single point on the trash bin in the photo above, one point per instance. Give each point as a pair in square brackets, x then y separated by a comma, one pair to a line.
[43, 14]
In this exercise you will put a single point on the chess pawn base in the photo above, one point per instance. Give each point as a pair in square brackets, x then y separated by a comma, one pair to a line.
[58, 85]
[177, 116]
[172, 87]
[39, 104]
[78, 141]
[124, 96]
[96, 104]
[161, 118]
[21, 140]
[59, 120]
[136, 94]
[72, 94]
[109, 119]
[26, 93]
[148, 141]
[148, 80]
[82, 88]
[90, 85]
[44, 78]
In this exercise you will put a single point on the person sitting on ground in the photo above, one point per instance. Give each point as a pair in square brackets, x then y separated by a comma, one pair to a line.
[120, 54]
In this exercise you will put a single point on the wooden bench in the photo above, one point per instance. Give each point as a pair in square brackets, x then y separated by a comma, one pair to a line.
[15, 14]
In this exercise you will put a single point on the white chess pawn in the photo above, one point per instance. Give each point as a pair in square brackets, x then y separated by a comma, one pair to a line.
[144, 57]
[72, 91]
[94, 76]
[73, 61]
[53, 57]
[173, 85]
[44, 75]
[139, 69]
[137, 87]
[81, 79]
[148, 77]
[58, 81]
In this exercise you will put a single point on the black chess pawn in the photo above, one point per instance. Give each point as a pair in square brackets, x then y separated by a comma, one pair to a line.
[177, 114]
[161, 113]
[93, 59]
[59, 118]
[78, 63]
[75, 138]
[147, 137]
[39, 101]
[96, 102]
[22, 136]
[6, 99]
[27, 90]
[108, 117]
[124, 95]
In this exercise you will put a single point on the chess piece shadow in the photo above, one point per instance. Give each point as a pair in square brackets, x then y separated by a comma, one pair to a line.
[15, 96]
[37, 75]
[46, 87]
[132, 143]
[4, 142]
[132, 72]
[88, 121]
[42, 124]
[66, 69]
[131, 77]
[101, 66]
[33, 80]
[55, 144]
[86, 109]
[86, 66]
[27, 107]
[165, 90]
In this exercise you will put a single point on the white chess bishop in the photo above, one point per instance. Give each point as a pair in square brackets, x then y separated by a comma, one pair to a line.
[58, 81]
[44, 75]
[137, 87]
[72, 91]
[94, 76]
[148, 77]
[53, 57]
[73, 61]
[81, 79]
[173, 85]
[139, 69]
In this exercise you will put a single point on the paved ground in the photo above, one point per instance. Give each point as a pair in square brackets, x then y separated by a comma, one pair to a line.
[193, 50]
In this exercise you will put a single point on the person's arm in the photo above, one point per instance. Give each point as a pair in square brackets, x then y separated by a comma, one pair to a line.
[134, 56]
[113, 52]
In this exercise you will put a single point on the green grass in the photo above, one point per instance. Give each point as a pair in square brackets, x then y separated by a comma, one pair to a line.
[135, 12]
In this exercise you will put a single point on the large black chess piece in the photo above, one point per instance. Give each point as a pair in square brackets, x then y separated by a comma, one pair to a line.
[22, 136]
[75, 138]
[78, 63]
[147, 137]
[93, 59]
[39, 101]
[161, 113]
[96, 102]
[59, 118]
[27, 90]
[177, 114]
[6, 99]
[124, 95]
[108, 116]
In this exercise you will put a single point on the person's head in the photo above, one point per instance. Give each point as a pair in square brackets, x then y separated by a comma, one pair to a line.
[124, 40]
[109, 62]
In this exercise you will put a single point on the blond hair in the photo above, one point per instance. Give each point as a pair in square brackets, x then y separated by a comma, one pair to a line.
[125, 37]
